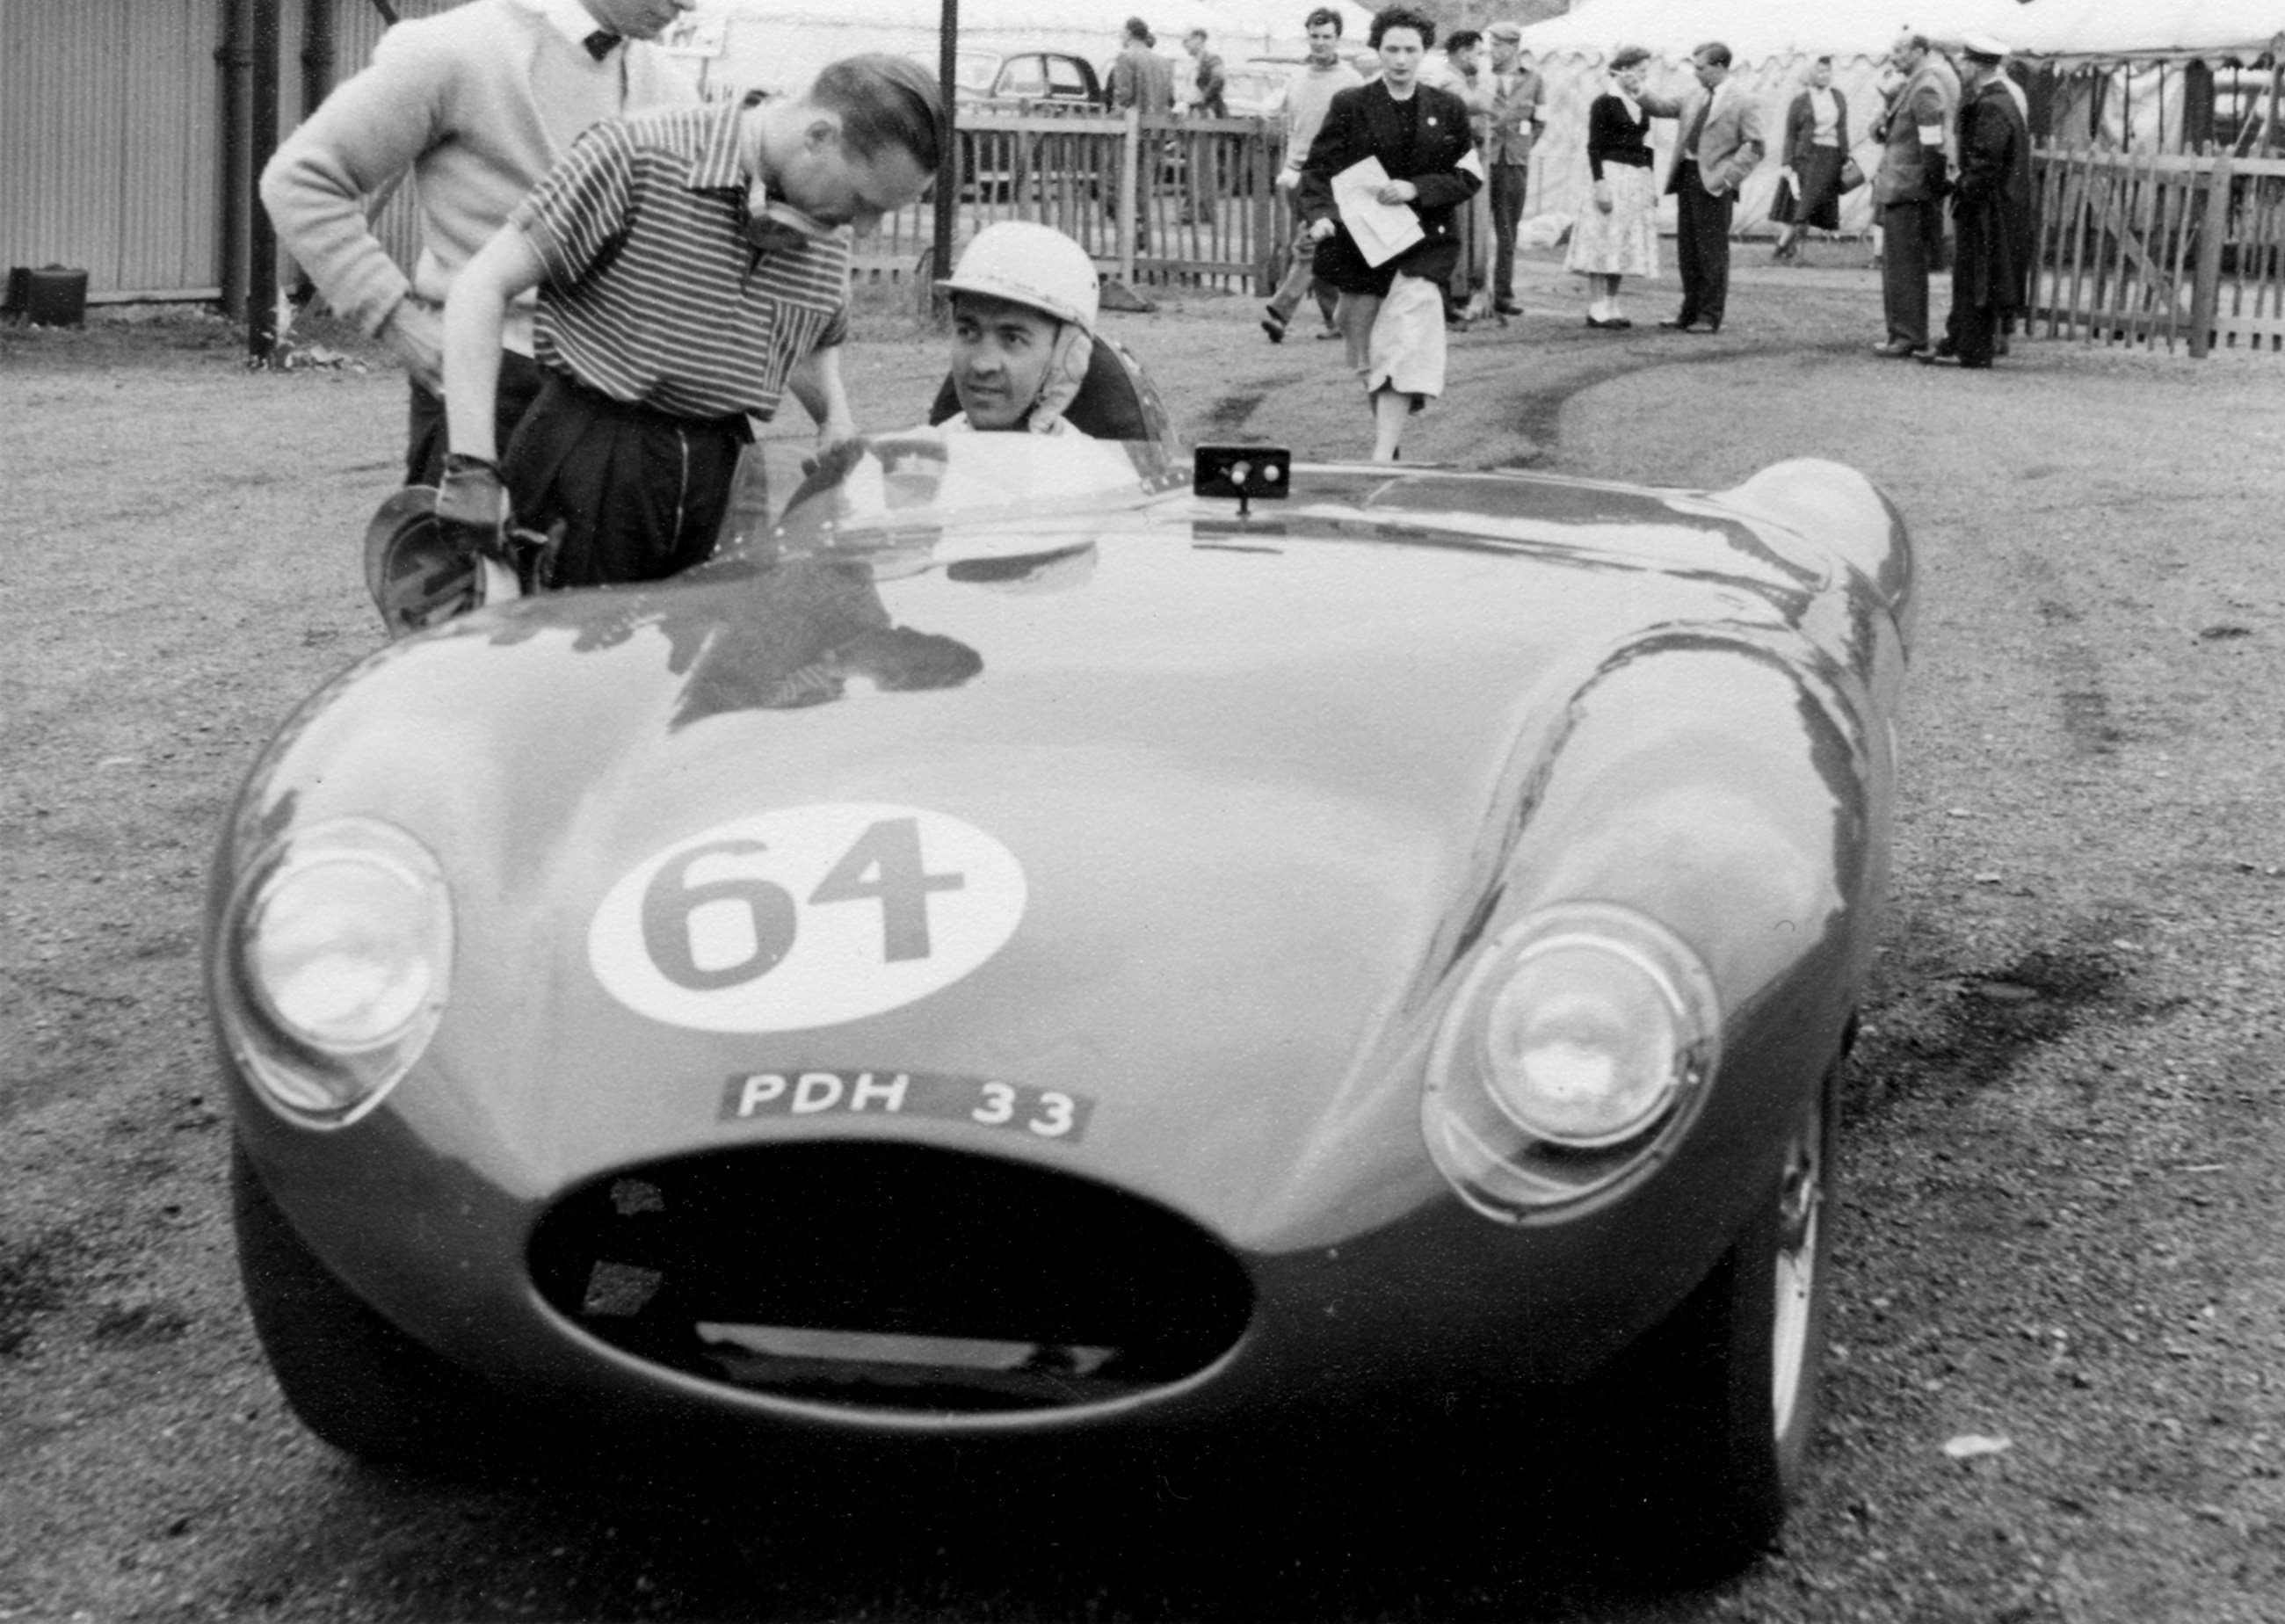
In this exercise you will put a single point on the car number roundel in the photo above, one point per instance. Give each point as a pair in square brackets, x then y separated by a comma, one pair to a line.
[805, 916]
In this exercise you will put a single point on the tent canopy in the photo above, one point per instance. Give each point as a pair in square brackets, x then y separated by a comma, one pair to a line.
[1757, 30]
[2239, 29]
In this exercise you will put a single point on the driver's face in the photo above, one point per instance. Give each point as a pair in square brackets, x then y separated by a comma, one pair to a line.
[999, 355]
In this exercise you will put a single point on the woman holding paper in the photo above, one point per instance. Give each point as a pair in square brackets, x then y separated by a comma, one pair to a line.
[1391, 166]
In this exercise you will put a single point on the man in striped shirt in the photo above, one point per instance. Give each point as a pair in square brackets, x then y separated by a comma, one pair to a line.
[686, 263]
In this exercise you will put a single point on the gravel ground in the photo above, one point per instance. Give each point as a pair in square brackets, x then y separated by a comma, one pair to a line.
[2063, 1174]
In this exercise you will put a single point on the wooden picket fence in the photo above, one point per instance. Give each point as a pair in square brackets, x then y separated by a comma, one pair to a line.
[1156, 201]
[2161, 247]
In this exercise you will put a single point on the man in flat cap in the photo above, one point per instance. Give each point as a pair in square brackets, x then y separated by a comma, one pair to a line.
[1990, 212]
[1516, 116]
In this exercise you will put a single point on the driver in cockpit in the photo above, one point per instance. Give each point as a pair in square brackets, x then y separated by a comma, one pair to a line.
[1023, 304]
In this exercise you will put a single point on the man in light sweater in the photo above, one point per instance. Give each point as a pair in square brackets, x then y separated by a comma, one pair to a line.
[1308, 94]
[475, 105]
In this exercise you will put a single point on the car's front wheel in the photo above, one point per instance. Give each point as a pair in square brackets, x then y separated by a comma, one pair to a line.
[1719, 1403]
[354, 1379]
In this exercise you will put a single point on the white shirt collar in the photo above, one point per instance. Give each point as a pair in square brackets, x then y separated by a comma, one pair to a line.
[569, 18]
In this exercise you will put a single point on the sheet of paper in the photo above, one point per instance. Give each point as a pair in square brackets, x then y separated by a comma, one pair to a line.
[1382, 230]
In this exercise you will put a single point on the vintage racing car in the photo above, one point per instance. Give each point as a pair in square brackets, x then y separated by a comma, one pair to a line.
[1034, 949]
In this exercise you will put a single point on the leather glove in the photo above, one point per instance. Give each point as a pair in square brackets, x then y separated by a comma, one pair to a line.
[472, 508]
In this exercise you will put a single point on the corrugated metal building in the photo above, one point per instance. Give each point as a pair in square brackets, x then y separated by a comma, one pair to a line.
[116, 119]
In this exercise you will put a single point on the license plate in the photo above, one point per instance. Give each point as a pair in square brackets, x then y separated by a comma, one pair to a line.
[1038, 1113]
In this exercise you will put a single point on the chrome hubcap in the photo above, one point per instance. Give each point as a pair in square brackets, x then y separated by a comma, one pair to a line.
[1801, 1201]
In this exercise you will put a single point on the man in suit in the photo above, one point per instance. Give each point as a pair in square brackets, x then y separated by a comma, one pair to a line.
[1514, 124]
[1908, 192]
[1392, 312]
[1722, 142]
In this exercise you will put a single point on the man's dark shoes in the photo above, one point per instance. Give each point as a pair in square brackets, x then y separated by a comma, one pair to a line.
[1896, 350]
[1691, 324]
[1934, 359]
[1507, 307]
[1274, 325]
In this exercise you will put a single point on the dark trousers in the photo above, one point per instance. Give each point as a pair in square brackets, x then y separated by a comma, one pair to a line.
[1971, 330]
[520, 378]
[1507, 187]
[1905, 269]
[625, 493]
[1300, 280]
[1702, 248]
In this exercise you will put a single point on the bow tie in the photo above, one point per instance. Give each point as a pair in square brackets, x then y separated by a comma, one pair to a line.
[600, 42]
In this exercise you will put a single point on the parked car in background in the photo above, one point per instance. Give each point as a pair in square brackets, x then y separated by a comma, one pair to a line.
[1256, 91]
[992, 164]
[1025, 77]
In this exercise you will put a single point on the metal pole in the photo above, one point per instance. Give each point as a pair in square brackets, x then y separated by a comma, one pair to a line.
[947, 158]
[231, 56]
[317, 53]
[262, 237]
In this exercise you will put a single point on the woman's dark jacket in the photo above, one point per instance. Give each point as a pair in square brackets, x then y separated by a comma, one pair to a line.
[1366, 121]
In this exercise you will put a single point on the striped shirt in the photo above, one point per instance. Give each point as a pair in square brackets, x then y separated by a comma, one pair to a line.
[651, 293]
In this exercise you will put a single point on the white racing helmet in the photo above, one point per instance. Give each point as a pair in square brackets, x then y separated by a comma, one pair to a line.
[1032, 264]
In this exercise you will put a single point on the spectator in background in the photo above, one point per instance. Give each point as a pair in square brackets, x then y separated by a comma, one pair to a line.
[1510, 131]
[1206, 97]
[1203, 97]
[1139, 77]
[1816, 146]
[1392, 312]
[1144, 80]
[1467, 295]
[1908, 192]
[1309, 92]
[1721, 143]
[1617, 236]
[686, 263]
[1990, 212]
[475, 105]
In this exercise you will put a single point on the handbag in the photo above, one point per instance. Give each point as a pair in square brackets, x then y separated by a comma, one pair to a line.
[1852, 174]
[1785, 207]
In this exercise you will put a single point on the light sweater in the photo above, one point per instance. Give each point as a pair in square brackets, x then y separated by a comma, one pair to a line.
[1309, 93]
[475, 104]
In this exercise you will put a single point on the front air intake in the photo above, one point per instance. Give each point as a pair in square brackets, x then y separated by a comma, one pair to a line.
[886, 1276]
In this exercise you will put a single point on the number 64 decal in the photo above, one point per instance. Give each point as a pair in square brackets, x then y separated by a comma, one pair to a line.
[808, 916]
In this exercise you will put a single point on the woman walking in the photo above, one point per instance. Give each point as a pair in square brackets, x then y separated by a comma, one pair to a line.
[1816, 147]
[1618, 237]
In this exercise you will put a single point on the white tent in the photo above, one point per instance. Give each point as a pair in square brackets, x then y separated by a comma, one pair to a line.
[1772, 44]
[2204, 30]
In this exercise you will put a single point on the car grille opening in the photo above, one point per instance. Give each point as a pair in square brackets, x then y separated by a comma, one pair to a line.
[884, 1277]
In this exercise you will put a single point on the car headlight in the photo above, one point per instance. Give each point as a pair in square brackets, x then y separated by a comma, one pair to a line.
[1577, 1047]
[340, 946]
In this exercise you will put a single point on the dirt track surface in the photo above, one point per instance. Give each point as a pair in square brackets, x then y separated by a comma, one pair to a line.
[2063, 1219]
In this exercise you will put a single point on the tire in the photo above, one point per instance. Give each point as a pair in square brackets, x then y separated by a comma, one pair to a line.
[353, 1378]
[1719, 1404]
